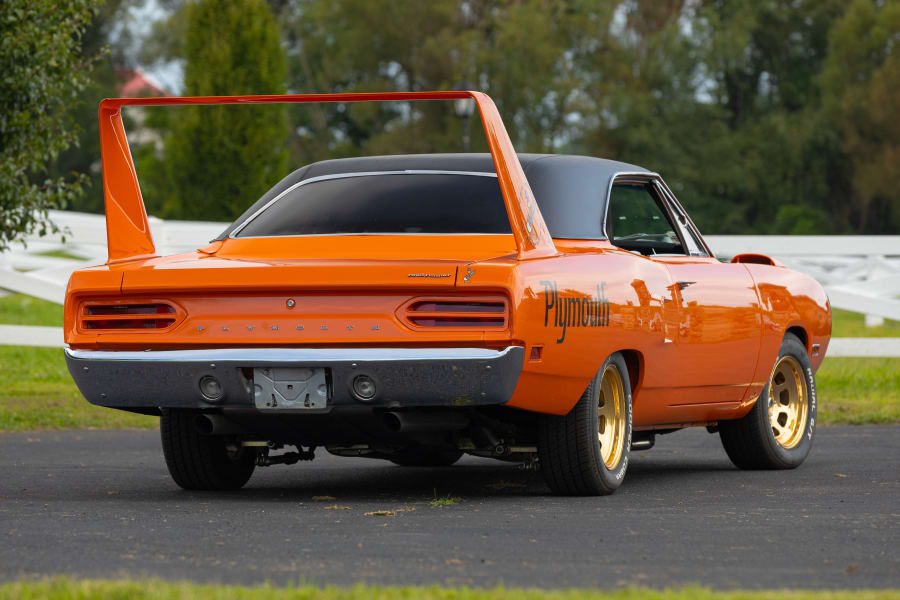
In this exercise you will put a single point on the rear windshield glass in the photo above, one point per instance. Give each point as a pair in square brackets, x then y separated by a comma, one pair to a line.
[390, 203]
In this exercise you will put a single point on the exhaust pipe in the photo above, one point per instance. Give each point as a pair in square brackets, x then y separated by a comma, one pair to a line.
[217, 425]
[415, 422]
[644, 442]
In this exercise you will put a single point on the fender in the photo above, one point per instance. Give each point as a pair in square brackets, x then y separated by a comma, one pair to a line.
[128, 229]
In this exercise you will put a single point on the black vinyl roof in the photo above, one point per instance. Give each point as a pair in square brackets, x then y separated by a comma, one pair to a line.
[570, 190]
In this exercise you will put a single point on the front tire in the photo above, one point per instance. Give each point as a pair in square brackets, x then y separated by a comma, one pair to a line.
[202, 462]
[585, 453]
[778, 431]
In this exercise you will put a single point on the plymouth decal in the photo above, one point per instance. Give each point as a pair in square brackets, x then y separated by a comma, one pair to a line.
[574, 310]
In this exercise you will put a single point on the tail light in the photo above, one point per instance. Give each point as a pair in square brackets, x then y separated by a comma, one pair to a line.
[108, 316]
[460, 313]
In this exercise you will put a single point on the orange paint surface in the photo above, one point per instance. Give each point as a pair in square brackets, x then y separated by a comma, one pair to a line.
[699, 336]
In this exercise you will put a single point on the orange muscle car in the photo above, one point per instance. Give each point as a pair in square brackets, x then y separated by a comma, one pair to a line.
[554, 310]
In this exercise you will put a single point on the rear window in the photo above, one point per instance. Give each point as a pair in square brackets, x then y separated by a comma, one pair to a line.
[386, 203]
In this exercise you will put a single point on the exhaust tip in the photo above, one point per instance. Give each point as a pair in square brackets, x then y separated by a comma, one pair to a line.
[392, 422]
[204, 424]
[419, 422]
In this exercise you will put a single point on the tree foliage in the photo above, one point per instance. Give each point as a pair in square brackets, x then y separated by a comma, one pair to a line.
[41, 71]
[764, 117]
[861, 87]
[108, 29]
[519, 52]
[217, 159]
[754, 111]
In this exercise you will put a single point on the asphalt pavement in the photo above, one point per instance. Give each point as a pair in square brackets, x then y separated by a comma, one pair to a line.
[101, 504]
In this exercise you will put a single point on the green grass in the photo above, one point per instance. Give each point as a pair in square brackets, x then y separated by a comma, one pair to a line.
[69, 589]
[18, 309]
[59, 254]
[850, 324]
[859, 391]
[447, 500]
[37, 392]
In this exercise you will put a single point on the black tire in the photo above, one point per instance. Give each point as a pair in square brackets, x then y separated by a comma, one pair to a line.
[570, 453]
[751, 443]
[201, 462]
[426, 456]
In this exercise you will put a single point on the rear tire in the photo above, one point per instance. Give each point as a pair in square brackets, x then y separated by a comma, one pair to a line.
[201, 462]
[426, 456]
[585, 452]
[778, 431]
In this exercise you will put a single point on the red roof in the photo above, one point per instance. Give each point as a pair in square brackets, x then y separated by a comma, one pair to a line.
[135, 84]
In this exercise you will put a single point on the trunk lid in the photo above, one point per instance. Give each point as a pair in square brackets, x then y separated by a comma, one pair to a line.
[339, 262]
[212, 275]
[279, 292]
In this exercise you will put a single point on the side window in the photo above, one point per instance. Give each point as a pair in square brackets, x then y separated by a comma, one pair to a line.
[636, 221]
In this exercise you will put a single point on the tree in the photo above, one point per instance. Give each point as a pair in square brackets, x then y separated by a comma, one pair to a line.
[722, 98]
[518, 52]
[108, 30]
[861, 84]
[765, 117]
[41, 71]
[217, 160]
[764, 59]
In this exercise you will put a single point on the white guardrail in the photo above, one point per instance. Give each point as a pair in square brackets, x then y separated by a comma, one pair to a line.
[860, 273]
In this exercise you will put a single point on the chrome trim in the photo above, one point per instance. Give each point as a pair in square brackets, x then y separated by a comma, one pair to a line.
[405, 377]
[669, 199]
[612, 180]
[268, 204]
[305, 355]
[679, 228]
[692, 226]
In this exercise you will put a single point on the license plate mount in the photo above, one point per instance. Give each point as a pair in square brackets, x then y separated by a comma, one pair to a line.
[290, 388]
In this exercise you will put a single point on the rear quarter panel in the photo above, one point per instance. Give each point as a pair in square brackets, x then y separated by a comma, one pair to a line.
[578, 309]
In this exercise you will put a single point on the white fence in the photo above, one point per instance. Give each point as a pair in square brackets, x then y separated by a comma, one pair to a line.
[30, 271]
[860, 273]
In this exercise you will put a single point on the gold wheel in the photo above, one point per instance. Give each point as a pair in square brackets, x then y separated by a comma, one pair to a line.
[787, 402]
[611, 419]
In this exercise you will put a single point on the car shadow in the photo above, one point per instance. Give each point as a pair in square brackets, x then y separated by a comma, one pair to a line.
[345, 480]
[482, 480]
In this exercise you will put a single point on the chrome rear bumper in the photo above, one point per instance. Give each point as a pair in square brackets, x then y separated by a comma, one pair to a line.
[403, 377]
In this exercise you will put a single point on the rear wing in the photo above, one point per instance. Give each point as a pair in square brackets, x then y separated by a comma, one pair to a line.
[128, 230]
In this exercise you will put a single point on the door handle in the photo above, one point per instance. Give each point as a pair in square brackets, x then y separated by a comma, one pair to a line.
[683, 284]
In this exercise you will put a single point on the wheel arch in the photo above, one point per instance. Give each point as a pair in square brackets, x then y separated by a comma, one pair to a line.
[634, 360]
[801, 333]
